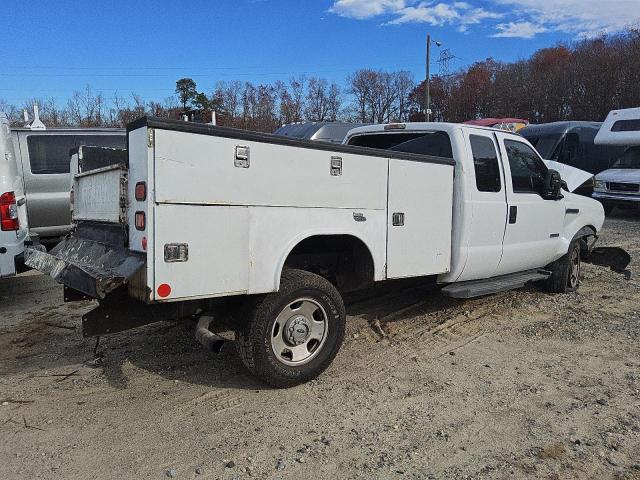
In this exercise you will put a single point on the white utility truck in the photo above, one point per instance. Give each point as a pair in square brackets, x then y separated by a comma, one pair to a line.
[193, 214]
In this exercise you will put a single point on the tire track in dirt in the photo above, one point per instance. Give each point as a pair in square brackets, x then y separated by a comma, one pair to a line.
[427, 335]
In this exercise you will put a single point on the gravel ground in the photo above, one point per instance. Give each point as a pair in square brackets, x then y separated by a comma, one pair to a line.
[518, 385]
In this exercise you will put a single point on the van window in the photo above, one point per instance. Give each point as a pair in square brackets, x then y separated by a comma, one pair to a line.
[626, 126]
[485, 160]
[49, 154]
[528, 171]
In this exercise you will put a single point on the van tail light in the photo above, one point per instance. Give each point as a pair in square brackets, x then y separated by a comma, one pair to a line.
[9, 212]
[141, 221]
[141, 191]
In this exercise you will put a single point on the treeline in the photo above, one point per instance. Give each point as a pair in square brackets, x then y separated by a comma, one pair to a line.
[370, 96]
[581, 81]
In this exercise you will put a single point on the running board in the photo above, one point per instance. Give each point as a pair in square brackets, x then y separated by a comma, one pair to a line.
[480, 288]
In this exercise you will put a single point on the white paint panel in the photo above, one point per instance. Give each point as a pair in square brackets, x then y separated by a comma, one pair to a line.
[140, 161]
[97, 196]
[218, 240]
[424, 193]
[278, 175]
[275, 231]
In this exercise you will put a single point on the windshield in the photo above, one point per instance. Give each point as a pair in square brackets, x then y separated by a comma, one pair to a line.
[629, 159]
[544, 144]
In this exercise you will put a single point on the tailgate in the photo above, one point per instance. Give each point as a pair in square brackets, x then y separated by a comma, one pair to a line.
[94, 260]
[101, 195]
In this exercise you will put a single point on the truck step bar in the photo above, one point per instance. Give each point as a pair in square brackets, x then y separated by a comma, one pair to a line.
[480, 288]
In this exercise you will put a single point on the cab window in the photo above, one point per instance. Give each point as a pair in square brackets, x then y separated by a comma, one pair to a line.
[528, 171]
[485, 160]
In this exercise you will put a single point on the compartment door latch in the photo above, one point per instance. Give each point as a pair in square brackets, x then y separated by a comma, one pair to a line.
[242, 159]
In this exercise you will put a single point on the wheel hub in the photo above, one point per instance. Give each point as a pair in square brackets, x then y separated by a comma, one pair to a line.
[297, 330]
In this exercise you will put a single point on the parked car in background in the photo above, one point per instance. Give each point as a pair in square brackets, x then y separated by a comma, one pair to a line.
[572, 143]
[508, 124]
[332, 132]
[13, 219]
[43, 163]
[620, 185]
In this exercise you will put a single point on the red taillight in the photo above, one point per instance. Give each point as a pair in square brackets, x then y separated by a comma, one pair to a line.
[140, 221]
[9, 212]
[141, 191]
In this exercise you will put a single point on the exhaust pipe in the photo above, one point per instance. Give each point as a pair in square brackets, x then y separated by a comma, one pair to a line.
[207, 338]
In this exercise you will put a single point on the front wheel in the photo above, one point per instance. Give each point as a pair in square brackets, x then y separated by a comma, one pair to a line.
[292, 336]
[565, 272]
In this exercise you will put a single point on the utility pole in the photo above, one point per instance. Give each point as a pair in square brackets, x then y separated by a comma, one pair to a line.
[427, 100]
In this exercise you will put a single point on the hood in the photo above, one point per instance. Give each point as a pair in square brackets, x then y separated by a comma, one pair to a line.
[621, 175]
[574, 177]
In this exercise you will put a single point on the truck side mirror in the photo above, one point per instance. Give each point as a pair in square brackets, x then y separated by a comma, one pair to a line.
[553, 186]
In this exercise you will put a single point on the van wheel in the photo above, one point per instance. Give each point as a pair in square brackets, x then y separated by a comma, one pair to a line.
[292, 336]
[566, 271]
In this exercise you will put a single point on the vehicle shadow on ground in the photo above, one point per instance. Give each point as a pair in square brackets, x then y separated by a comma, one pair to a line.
[625, 214]
[51, 340]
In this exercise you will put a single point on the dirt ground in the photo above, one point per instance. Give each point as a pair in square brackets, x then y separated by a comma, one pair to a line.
[518, 385]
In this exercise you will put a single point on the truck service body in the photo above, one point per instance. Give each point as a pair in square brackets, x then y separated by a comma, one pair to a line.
[196, 213]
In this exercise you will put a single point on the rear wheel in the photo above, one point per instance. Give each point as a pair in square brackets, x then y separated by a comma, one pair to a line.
[565, 272]
[292, 336]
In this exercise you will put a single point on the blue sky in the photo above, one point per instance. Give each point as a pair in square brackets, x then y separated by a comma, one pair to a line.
[51, 48]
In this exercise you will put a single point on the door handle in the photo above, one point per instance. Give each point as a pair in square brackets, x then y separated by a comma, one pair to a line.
[513, 215]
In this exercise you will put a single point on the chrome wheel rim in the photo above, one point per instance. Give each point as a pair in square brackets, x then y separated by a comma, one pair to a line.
[299, 332]
[574, 274]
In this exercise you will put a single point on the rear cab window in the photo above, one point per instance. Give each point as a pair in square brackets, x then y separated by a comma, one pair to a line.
[486, 164]
[50, 154]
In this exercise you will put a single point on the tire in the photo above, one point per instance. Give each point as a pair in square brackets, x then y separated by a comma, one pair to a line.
[292, 336]
[565, 272]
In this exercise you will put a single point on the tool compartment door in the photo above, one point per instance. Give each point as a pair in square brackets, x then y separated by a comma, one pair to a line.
[420, 219]
[217, 240]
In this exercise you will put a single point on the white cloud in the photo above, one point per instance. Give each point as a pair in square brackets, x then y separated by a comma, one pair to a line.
[580, 17]
[518, 30]
[362, 9]
[457, 13]
[520, 18]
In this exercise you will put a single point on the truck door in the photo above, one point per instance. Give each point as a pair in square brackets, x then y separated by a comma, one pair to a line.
[487, 200]
[534, 225]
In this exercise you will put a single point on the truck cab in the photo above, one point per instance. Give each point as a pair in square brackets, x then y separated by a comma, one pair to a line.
[504, 218]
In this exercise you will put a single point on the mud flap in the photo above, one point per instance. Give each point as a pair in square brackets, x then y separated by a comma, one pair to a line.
[92, 268]
[616, 258]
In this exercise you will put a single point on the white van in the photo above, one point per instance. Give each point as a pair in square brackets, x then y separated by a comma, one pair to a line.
[620, 185]
[13, 210]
